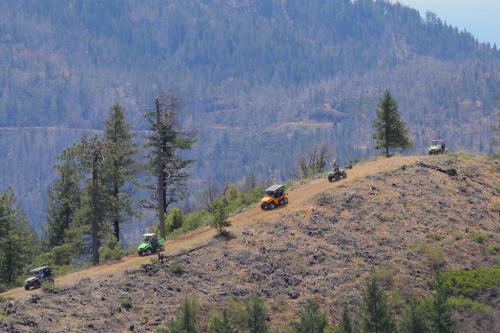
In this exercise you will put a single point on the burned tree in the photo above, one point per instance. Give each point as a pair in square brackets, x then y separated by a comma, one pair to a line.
[314, 161]
[165, 163]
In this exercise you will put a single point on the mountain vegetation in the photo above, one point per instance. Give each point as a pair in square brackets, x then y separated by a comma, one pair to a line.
[263, 81]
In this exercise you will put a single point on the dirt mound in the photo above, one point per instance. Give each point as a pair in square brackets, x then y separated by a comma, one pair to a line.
[400, 218]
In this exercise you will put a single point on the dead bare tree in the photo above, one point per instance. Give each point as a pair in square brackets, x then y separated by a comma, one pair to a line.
[166, 164]
[314, 161]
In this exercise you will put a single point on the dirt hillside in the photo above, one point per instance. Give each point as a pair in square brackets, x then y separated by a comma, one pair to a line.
[398, 217]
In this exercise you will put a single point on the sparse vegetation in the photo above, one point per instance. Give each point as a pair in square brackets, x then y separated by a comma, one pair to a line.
[48, 285]
[176, 268]
[479, 238]
[464, 304]
[494, 249]
[469, 282]
[434, 255]
[434, 236]
[126, 303]
[187, 319]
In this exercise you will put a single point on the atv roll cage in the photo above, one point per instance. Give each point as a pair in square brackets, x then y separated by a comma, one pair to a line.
[275, 190]
[41, 271]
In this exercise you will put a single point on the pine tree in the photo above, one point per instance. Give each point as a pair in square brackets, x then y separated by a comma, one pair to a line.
[311, 319]
[390, 130]
[345, 325]
[221, 325]
[220, 221]
[18, 242]
[175, 219]
[256, 315]
[120, 168]
[441, 319]
[64, 201]
[93, 213]
[187, 321]
[166, 164]
[414, 319]
[377, 316]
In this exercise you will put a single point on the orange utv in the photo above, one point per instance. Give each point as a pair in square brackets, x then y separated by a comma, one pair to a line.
[274, 196]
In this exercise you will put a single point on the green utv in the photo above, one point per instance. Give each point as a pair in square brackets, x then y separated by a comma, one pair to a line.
[150, 245]
[437, 147]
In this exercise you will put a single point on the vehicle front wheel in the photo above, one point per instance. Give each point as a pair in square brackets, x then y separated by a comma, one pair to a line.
[27, 287]
[272, 205]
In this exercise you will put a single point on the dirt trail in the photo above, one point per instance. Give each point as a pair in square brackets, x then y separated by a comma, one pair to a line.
[300, 197]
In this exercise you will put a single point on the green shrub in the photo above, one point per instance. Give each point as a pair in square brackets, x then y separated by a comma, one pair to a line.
[479, 238]
[111, 250]
[468, 283]
[126, 303]
[161, 329]
[174, 220]
[434, 255]
[192, 222]
[463, 304]
[176, 268]
[433, 236]
[4, 317]
[48, 285]
[494, 249]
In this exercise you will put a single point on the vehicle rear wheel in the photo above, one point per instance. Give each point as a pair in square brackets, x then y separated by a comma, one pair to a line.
[284, 201]
[272, 205]
[37, 285]
[344, 175]
[337, 177]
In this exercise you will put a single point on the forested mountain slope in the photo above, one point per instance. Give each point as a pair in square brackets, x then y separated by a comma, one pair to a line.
[261, 80]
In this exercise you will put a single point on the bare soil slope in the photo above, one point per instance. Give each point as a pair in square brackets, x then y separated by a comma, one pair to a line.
[397, 217]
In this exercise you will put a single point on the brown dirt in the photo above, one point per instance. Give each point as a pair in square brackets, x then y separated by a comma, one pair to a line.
[300, 197]
[324, 244]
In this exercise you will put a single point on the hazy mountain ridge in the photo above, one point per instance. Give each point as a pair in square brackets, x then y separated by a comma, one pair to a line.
[245, 70]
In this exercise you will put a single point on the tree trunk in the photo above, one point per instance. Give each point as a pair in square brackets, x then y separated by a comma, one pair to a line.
[116, 217]
[160, 174]
[95, 222]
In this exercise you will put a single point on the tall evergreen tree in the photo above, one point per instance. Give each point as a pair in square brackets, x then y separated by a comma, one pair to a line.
[345, 325]
[120, 168]
[441, 319]
[166, 164]
[311, 319]
[390, 130]
[93, 213]
[414, 319]
[256, 315]
[221, 325]
[64, 201]
[377, 316]
[187, 321]
[18, 242]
